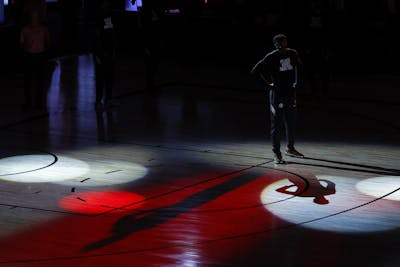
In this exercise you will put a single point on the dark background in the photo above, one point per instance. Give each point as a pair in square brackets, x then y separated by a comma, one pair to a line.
[355, 37]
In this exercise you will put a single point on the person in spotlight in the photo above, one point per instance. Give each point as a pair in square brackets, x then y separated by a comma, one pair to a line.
[280, 71]
[35, 41]
[104, 56]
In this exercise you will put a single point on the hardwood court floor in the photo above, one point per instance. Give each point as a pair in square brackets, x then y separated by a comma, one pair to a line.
[186, 178]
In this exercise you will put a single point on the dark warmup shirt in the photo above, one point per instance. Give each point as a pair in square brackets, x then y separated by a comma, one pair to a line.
[280, 69]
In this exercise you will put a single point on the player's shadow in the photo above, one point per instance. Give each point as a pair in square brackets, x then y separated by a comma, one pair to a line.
[142, 220]
[315, 188]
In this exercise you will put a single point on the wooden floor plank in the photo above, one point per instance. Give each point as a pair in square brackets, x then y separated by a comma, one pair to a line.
[186, 178]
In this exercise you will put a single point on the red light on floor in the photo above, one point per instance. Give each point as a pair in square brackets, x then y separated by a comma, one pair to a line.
[96, 202]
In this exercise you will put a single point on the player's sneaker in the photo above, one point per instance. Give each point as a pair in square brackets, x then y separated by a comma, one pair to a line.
[278, 158]
[292, 152]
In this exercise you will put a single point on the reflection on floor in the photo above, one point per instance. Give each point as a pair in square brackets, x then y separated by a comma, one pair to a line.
[185, 177]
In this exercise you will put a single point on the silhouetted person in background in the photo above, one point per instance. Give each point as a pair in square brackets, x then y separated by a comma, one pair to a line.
[17, 12]
[105, 125]
[29, 6]
[316, 54]
[150, 16]
[35, 42]
[68, 14]
[280, 70]
[104, 55]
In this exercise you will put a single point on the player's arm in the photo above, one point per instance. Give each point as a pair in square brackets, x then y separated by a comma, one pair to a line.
[297, 70]
[260, 70]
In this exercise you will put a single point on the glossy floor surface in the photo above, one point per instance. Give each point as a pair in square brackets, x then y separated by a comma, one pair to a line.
[185, 177]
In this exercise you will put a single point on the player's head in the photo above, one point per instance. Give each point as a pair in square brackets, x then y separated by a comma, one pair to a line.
[280, 41]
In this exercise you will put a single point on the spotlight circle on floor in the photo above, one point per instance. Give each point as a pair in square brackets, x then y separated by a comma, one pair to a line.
[345, 209]
[25, 163]
[38, 168]
[381, 187]
[96, 202]
[108, 172]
